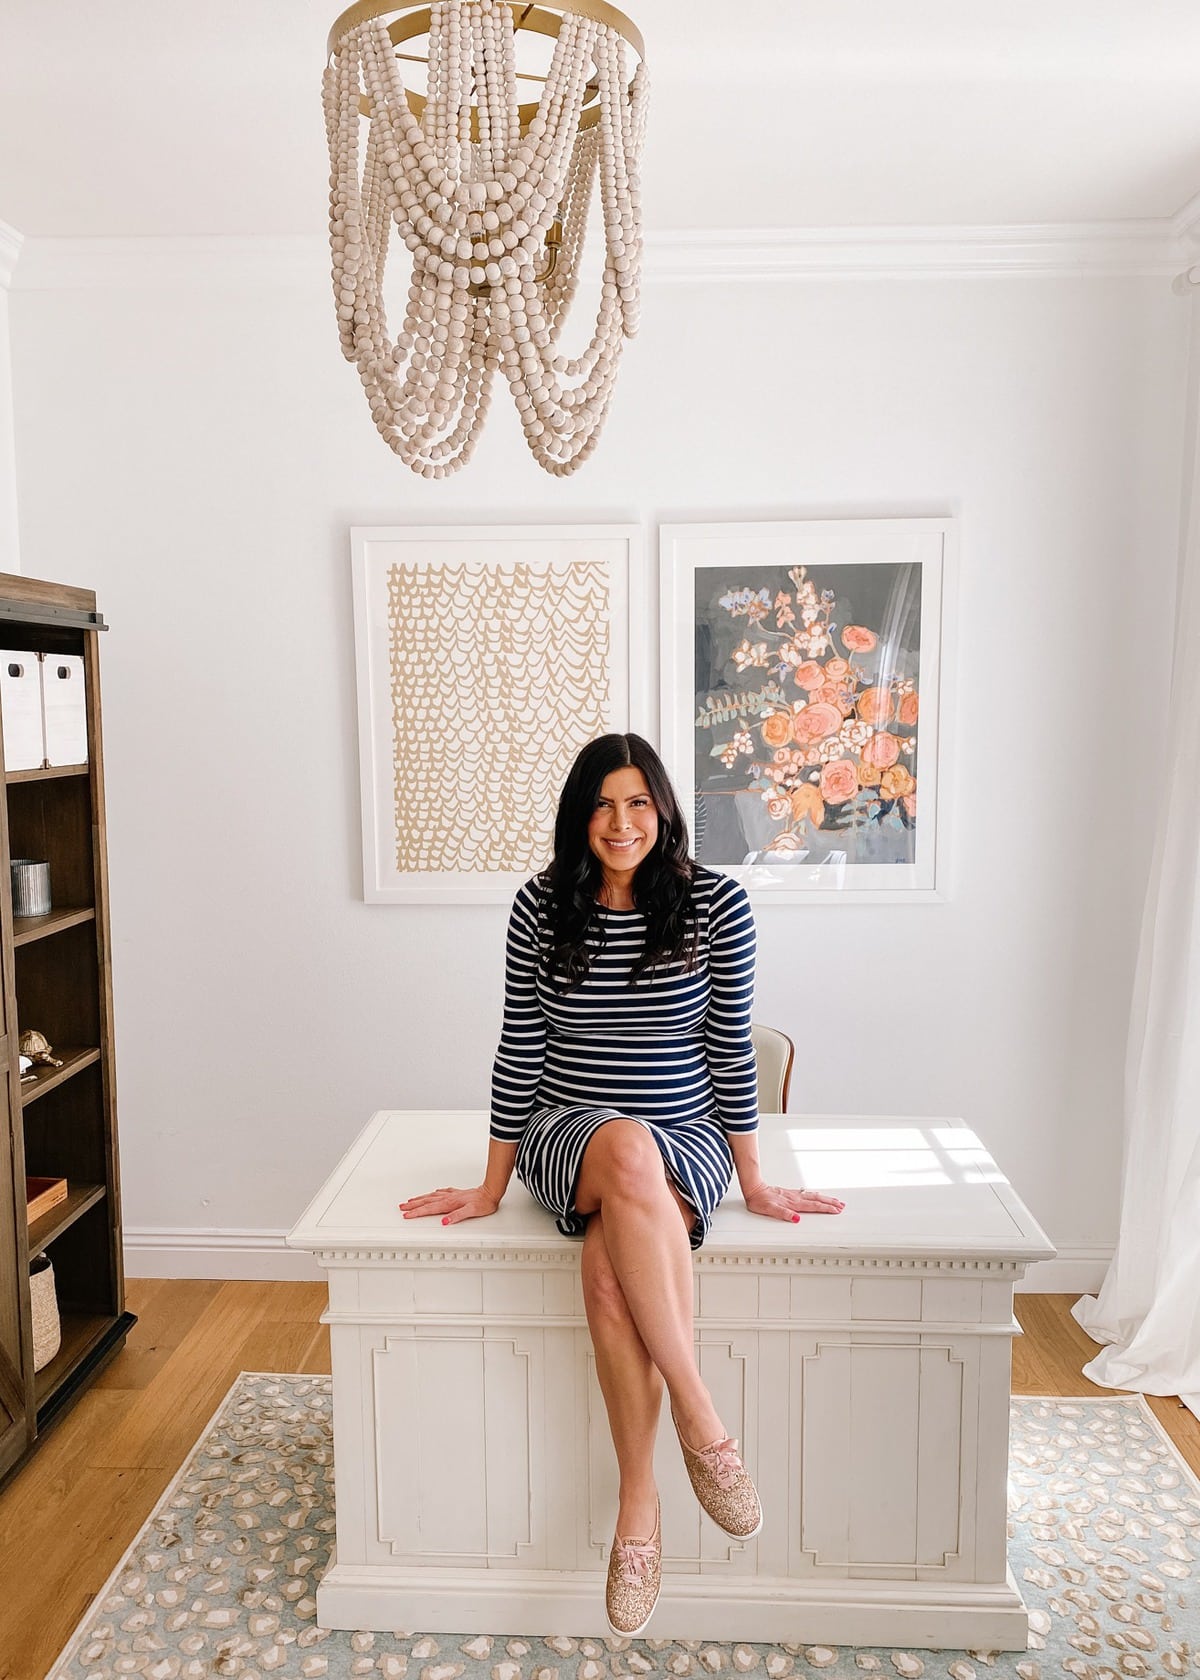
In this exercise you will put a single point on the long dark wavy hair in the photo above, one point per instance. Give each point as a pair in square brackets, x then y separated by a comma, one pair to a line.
[662, 882]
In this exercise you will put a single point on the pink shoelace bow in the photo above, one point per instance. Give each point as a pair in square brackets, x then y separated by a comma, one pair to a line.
[634, 1560]
[723, 1460]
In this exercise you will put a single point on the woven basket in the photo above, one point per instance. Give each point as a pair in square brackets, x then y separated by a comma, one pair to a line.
[47, 1332]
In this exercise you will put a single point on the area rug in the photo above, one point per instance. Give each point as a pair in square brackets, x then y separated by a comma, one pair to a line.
[1104, 1525]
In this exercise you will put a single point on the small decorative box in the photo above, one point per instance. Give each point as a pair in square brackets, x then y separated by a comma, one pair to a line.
[41, 1194]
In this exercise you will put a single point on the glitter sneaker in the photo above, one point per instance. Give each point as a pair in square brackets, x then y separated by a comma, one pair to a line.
[634, 1577]
[723, 1486]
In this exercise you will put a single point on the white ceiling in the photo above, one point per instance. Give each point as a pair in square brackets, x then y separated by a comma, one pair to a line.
[156, 117]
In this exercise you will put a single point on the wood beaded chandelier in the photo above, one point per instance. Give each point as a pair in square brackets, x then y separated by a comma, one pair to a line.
[491, 198]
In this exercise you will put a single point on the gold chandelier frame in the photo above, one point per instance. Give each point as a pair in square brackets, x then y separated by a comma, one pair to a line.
[413, 22]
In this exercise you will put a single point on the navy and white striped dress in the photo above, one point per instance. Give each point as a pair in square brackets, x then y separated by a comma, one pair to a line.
[672, 1051]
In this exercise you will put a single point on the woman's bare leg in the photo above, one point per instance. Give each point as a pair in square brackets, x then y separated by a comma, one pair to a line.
[647, 1242]
[629, 1382]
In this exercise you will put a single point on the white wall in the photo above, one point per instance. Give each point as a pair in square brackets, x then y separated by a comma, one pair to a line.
[197, 456]
[9, 539]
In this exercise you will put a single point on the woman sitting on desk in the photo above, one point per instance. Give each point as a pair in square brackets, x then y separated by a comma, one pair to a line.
[625, 1095]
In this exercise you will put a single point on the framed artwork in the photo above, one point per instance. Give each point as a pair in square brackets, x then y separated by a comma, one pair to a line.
[803, 668]
[486, 657]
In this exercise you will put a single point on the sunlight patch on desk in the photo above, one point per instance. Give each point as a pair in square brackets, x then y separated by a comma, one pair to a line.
[892, 1156]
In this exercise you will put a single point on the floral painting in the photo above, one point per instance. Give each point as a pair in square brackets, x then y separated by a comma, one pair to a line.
[807, 713]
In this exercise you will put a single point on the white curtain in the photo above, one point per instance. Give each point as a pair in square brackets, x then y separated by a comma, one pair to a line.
[1148, 1311]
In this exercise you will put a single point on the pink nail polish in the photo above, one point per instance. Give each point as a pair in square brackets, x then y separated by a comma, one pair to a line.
[446, 1219]
[795, 1219]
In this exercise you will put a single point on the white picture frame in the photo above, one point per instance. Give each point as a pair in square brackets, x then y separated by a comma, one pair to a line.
[530, 623]
[788, 845]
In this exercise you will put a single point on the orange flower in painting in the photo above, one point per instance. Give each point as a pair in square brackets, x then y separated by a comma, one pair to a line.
[809, 675]
[896, 783]
[831, 695]
[815, 722]
[807, 802]
[910, 805]
[869, 774]
[858, 639]
[788, 842]
[909, 709]
[777, 729]
[839, 781]
[881, 751]
[778, 807]
[876, 705]
[835, 669]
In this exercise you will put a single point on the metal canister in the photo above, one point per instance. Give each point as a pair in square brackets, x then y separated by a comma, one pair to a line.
[30, 887]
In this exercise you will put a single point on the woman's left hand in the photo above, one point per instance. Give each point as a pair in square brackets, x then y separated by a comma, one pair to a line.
[774, 1201]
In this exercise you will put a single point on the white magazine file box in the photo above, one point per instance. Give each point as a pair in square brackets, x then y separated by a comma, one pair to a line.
[21, 702]
[64, 708]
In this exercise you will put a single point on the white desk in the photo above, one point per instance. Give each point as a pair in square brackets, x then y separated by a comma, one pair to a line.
[863, 1360]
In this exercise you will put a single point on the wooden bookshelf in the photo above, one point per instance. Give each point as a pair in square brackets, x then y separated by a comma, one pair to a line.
[80, 1197]
[87, 1341]
[56, 978]
[47, 774]
[46, 1078]
[29, 928]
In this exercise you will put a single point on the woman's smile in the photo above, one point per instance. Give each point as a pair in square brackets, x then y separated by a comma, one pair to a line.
[624, 826]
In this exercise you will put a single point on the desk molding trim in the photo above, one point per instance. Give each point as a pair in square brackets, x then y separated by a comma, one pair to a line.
[516, 1259]
[903, 1328]
[933, 1615]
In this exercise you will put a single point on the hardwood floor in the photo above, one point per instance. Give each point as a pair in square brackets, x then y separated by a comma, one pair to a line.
[1050, 1356]
[69, 1514]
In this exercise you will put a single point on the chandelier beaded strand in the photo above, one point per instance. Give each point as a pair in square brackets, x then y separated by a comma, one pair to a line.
[494, 213]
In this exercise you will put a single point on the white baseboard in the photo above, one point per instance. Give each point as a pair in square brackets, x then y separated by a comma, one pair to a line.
[261, 1256]
[1073, 1271]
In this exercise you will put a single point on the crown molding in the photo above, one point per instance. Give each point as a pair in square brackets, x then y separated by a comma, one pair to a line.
[686, 257]
[10, 249]
[192, 262]
[1068, 250]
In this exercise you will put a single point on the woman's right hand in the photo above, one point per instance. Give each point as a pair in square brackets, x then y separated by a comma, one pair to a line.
[452, 1205]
